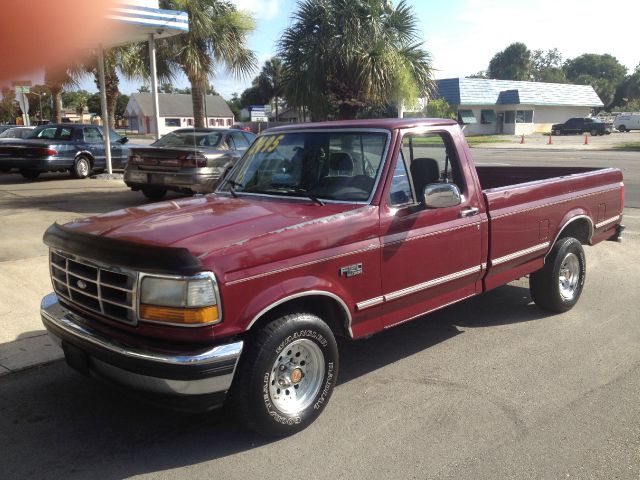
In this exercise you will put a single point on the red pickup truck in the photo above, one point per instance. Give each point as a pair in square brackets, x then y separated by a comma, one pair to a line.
[320, 230]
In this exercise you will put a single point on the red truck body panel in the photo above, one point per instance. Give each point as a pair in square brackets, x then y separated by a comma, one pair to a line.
[266, 251]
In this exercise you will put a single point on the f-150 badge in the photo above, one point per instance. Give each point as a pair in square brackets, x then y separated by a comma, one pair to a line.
[351, 270]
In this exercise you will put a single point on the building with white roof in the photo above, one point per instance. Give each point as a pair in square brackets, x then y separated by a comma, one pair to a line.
[487, 106]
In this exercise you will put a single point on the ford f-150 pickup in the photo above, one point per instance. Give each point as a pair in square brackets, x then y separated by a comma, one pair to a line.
[320, 230]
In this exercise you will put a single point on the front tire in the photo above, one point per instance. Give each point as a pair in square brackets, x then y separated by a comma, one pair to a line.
[81, 167]
[558, 285]
[622, 129]
[594, 133]
[286, 376]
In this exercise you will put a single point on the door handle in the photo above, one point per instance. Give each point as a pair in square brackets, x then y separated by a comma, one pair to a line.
[469, 212]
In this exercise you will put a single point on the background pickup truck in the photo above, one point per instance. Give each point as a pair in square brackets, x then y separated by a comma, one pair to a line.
[319, 231]
[593, 126]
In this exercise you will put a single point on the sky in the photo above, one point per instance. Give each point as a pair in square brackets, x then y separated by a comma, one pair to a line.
[463, 35]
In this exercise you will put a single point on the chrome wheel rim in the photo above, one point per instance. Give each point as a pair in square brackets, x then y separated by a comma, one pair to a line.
[296, 376]
[83, 167]
[569, 276]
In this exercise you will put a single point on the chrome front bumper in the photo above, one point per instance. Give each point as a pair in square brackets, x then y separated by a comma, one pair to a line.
[169, 372]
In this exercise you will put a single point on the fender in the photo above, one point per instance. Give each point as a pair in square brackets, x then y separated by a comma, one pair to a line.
[570, 217]
[296, 288]
[86, 153]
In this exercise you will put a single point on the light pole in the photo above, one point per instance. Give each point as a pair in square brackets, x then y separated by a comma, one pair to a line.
[40, 95]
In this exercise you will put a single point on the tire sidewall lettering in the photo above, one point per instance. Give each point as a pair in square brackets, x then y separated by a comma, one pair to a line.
[323, 394]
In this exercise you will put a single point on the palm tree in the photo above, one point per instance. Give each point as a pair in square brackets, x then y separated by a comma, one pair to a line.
[340, 55]
[270, 80]
[58, 78]
[217, 36]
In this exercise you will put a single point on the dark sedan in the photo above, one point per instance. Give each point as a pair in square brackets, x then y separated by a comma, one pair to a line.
[186, 160]
[76, 148]
[13, 133]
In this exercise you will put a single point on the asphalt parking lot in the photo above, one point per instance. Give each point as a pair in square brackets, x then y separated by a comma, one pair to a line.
[489, 388]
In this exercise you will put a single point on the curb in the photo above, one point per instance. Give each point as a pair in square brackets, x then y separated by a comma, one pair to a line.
[29, 352]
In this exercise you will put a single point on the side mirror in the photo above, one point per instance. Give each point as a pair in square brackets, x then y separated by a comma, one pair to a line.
[441, 195]
[124, 140]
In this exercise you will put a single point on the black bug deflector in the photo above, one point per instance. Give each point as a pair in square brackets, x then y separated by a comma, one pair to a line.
[120, 253]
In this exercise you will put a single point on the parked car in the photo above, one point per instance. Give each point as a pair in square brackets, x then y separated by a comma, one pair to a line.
[321, 230]
[627, 122]
[241, 126]
[11, 134]
[593, 126]
[15, 132]
[186, 160]
[7, 127]
[76, 148]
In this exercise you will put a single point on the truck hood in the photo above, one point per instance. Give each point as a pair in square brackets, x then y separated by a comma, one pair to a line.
[210, 224]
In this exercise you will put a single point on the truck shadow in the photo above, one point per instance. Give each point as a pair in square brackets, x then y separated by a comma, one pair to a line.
[93, 430]
[508, 304]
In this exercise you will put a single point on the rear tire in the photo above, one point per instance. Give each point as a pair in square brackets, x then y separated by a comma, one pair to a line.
[155, 194]
[286, 375]
[558, 285]
[29, 174]
[81, 167]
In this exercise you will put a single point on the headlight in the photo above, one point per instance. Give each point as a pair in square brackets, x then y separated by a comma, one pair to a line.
[180, 301]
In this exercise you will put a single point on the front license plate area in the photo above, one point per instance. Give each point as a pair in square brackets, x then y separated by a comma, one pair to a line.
[138, 177]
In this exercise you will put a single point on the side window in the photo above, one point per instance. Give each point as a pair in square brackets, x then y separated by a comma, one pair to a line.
[92, 135]
[400, 192]
[47, 133]
[240, 141]
[432, 158]
[64, 134]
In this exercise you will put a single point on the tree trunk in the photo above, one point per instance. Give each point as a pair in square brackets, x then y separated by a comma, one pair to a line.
[347, 112]
[111, 83]
[197, 98]
[56, 94]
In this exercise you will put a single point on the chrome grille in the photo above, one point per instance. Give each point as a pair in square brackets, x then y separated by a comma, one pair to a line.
[107, 292]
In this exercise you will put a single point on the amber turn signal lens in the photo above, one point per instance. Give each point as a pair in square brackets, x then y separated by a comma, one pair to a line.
[186, 316]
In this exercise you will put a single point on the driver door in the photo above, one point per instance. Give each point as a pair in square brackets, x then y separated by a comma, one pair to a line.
[430, 256]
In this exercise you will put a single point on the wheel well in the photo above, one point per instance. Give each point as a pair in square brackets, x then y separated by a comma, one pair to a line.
[579, 229]
[328, 309]
[85, 155]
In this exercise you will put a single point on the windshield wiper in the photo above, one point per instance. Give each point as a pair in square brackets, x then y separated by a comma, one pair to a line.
[233, 183]
[309, 195]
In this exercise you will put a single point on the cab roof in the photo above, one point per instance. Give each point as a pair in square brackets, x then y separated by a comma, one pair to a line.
[381, 123]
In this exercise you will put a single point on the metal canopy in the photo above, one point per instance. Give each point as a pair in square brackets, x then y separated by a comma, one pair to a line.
[137, 21]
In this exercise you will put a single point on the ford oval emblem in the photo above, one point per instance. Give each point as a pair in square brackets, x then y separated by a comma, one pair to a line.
[81, 284]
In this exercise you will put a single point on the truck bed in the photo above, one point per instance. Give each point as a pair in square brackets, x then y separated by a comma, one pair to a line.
[497, 177]
[527, 207]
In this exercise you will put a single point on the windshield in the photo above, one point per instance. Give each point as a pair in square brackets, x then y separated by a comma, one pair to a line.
[190, 139]
[327, 165]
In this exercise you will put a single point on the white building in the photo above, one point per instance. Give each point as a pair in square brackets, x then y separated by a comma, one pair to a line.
[176, 111]
[511, 107]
